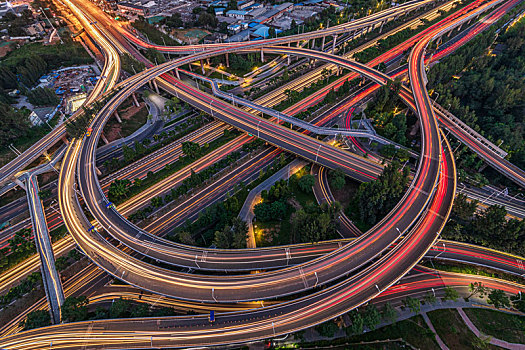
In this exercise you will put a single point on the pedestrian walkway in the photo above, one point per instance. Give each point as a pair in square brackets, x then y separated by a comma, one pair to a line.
[246, 213]
[493, 341]
[431, 326]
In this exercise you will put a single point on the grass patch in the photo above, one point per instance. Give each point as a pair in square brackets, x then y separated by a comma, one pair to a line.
[452, 330]
[413, 331]
[499, 325]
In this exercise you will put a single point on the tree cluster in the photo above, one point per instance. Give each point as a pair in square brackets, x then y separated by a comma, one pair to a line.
[315, 223]
[43, 96]
[490, 92]
[233, 235]
[489, 228]
[373, 200]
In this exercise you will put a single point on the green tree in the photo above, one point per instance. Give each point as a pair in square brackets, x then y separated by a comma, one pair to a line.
[412, 304]
[61, 263]
[371, 317]
[120, 308]
[306, 182]
[357, 323]
[476, 288]
[327, 329]
[186, 237]
[518, 302]
[338, 180]
[450, 294]
[191, 149]
[389, 313]
[430, 298]
[119, 189]
[37, 319]
[498, 298]
[75, 309]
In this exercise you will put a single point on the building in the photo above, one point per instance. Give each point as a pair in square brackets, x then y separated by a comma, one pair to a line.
[238, 14]
[41, 115]
[256, 12]
[234, 28]
[5, 7]
[276, 12]
[241, 5]
[215, 38]
[129, 8]
[35, 29]
[219, 11]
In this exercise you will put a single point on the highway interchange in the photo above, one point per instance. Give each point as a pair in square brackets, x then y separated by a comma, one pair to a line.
[414, 224]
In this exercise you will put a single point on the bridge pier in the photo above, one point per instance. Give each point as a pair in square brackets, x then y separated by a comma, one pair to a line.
[20, 183]
[202, 67]
[135, 100]
[438, 42]
[65, 140]
[334, 43]
[322, 43]
[289, 59]
[104, 138]
[177, 73]
[157, 87]
[381, 28]
[117, 117]
[227, 60]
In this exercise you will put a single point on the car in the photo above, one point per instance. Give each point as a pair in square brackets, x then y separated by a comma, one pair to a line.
[110, 205]
[88, 132]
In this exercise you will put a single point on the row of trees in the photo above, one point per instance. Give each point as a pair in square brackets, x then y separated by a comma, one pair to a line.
[30, 283]
[75, 309]
[370, 316]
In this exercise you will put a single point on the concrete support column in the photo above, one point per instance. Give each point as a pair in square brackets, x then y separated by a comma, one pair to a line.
[227, 60]
[20, 183]
[262, 55]
[156, 87]
[298, 43]
[97, 170]
[65, 140]
[135, 99]
[322, 43]
[177, 73]
[289, 59]
[381, 29]
[117, 117]
[103, 137]
[334, 43]
[202, 67]
[150, 85]
[191, 69]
